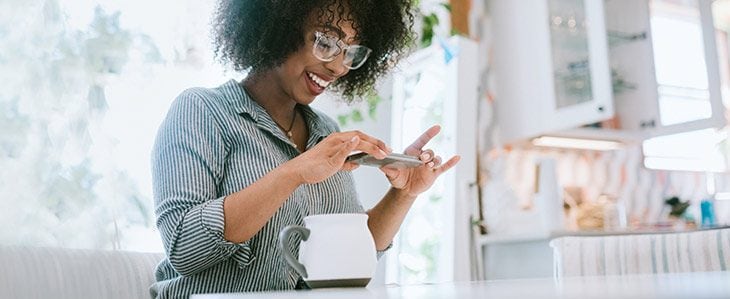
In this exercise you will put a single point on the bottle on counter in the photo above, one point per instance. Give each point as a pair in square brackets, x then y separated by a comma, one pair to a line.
[707, 209]
[614, 213]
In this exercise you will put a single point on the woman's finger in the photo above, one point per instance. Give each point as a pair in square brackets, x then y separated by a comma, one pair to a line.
[415, 148]
[364, 138]
[448, 165]
[436, 161]
[345, 149]
[349, 166]
[426, 156]
[371, 149]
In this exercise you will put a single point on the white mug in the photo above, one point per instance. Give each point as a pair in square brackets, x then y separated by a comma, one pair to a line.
[337, 250]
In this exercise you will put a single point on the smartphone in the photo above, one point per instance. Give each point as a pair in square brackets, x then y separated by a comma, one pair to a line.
[392, 160]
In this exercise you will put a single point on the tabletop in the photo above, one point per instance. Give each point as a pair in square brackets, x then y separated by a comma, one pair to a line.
[671, 285]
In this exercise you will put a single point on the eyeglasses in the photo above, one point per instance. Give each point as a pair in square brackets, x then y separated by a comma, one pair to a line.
[327, 48]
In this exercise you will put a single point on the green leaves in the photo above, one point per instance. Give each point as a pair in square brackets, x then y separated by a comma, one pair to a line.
[429, 22]
[372, 99]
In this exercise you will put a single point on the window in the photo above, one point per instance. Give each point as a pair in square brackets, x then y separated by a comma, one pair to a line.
[85, 87]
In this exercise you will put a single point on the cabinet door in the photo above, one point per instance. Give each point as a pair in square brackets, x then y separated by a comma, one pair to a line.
[551, 66]
[673, 71]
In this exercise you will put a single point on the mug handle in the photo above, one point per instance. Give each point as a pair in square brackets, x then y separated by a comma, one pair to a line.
[286, 250]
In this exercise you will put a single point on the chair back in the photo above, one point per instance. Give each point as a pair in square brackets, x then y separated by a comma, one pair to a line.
[50, 272]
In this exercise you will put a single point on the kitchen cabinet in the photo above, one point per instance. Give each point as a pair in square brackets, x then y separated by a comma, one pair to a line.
[551, 67]
[617, 69]
[665, 51]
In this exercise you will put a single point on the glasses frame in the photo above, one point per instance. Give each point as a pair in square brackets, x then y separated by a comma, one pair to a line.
[342, 47]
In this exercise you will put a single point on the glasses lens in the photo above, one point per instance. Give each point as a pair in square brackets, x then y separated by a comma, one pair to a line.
[325, 47]
[355, 56]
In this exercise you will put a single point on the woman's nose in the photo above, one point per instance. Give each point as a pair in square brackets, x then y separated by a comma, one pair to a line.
[337, 65]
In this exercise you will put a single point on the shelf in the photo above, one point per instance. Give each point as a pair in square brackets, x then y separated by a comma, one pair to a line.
[514, 238]
[625, 136]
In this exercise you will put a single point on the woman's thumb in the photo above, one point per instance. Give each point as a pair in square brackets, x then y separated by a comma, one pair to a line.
[391, 173]
[346, 148]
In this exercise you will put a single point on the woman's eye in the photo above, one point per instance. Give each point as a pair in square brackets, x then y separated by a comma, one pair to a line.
[325, 46]
[332, 42]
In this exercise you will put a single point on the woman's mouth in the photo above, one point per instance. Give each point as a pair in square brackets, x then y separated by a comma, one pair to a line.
[321, 82]
[317, 84]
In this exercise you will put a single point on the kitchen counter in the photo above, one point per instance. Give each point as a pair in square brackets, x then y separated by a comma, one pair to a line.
[529, 255]
[548, 235]
[674, 285]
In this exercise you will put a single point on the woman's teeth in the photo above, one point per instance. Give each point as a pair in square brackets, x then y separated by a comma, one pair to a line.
[321, 82]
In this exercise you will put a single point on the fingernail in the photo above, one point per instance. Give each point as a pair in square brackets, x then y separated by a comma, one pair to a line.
[384, 153]
[430, 164]
[425, 156]
[355, 138]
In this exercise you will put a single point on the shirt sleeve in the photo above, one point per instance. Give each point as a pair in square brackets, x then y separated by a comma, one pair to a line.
[380, 253]
[187, 166]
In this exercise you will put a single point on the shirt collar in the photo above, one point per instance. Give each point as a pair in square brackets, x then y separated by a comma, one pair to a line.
[242, 103]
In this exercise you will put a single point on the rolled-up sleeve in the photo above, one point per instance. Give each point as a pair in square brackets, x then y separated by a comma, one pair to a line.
[187, 166]
[380, 253]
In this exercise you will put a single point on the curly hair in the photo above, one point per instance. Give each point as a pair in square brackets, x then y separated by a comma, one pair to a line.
[255, 35]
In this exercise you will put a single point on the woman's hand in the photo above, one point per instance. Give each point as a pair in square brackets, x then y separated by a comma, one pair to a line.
[414, 181]
[328, 156]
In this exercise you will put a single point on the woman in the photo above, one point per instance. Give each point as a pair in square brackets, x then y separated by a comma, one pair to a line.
[234, 164]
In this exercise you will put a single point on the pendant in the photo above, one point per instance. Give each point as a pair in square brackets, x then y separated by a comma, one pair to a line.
[289, 134]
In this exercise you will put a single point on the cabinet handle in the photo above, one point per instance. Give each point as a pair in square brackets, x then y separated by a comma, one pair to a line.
[647, 124]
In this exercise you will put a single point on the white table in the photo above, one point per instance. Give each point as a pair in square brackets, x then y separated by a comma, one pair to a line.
[675, 285]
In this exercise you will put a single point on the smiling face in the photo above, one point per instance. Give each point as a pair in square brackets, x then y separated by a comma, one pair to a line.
[302, 76]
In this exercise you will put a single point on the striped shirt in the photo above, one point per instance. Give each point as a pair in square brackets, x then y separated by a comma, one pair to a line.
[215, 142]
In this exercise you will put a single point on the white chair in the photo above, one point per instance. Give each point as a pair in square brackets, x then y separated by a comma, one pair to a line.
[697, 251]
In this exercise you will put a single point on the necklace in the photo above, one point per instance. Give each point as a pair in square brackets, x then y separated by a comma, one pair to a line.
[288, 131]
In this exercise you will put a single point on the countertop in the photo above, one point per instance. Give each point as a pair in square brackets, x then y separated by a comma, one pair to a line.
[548, 235]
[674, 285]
